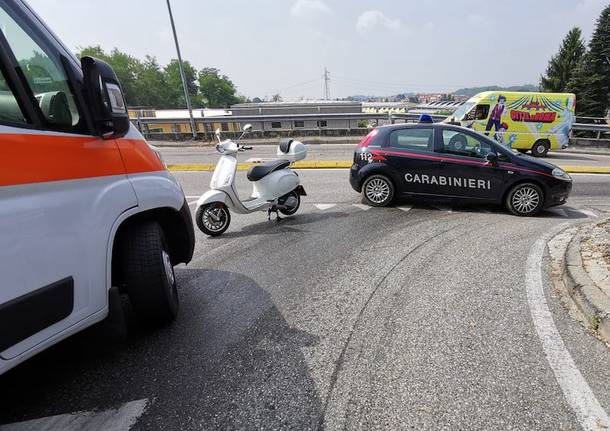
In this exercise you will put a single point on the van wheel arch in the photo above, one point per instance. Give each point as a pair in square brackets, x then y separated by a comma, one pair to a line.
[174, 231]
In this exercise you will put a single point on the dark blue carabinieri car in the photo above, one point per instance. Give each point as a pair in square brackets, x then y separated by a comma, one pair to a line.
[442, 161]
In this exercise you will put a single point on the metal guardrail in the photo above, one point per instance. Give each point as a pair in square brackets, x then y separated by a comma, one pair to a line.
[354, 122]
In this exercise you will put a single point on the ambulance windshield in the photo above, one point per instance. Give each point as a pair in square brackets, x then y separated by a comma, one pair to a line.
[461, 111]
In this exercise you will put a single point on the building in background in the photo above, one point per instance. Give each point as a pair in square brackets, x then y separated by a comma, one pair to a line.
[282, 116]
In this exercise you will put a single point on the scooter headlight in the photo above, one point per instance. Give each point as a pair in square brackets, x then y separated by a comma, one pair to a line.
[561, 174]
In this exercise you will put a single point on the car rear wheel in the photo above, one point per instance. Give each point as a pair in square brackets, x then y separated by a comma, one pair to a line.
[377, 191]
[525, 199]
[541, 148]
[148, 274]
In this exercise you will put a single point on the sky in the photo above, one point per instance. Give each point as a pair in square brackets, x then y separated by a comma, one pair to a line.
[370, 47]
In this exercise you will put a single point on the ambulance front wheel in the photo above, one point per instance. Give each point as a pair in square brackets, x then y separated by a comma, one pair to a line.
[377, 191]
[541, 148]
[525, 199]
[148, 274]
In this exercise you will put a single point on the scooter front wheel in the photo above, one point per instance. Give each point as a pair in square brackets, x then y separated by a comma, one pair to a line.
[213, 218]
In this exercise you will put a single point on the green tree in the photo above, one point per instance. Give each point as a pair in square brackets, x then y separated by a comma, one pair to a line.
[151, 86]
[125, 66]
[175, 91]
[562, 65]
[591, 79]
[217, 90]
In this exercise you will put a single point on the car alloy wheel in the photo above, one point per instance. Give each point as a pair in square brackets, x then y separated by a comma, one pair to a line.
[377, 190]
[525, 200]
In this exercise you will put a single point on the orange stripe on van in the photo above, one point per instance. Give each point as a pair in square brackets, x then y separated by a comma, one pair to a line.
[30, 159]
[138, 156]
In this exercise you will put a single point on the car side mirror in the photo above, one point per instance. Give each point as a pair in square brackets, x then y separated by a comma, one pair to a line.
[492, 158]
[106, 99]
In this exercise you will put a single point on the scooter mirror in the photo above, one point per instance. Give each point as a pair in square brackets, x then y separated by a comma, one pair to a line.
[247, 127]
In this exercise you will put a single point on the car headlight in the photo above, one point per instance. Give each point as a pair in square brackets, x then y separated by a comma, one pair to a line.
[561, 174]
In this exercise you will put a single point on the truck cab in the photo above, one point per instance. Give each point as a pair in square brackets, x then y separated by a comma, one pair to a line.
[90, 216]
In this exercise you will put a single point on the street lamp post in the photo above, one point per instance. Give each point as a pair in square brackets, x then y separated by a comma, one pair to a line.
[182, 76]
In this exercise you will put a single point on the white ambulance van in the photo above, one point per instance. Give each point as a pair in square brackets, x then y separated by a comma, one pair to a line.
[89, 214]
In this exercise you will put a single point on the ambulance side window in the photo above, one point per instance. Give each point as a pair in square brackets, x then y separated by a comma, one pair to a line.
[479, 112]
[419, 139]
[44, 73]
[10, 112]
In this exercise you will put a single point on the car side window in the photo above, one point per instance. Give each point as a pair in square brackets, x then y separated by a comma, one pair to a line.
[44, 74]
[464, 144]
[418, 139]
[10, 112]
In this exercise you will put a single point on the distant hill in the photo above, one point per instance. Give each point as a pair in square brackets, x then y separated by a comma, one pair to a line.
[471, 91]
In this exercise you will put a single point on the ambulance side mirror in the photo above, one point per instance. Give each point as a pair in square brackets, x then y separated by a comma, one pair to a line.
[492, 159]
[105, 99]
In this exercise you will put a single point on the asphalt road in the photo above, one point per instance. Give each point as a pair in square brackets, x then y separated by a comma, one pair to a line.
[341, 317]
[208, 154]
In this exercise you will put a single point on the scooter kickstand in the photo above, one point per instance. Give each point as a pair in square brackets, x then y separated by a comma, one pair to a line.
[277, 214]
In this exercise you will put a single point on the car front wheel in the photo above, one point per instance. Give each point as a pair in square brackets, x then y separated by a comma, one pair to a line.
[525, 199]
[377, 191]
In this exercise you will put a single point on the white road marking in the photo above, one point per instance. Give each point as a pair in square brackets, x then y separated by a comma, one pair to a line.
[324, 206]
[589, 213]
[193, 202]
[443, 208]
[121, 419]
[362, 206]
[576, 390]
[192, 197]
[405, 208]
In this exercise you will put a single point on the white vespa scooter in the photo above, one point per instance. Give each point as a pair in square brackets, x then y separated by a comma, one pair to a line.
[275, 187]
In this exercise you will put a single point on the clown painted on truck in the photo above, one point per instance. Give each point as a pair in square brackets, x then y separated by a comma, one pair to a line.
[536, 122]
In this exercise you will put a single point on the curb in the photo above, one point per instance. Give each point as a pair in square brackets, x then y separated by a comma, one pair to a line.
[594, 305]
[346, 164]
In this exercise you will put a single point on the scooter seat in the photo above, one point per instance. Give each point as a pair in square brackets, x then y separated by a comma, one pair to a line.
[259, 171]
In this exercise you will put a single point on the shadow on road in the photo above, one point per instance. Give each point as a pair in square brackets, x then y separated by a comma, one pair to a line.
[230, 361]
[296, 223]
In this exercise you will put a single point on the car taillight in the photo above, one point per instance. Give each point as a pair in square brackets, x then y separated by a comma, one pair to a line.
[367, 139]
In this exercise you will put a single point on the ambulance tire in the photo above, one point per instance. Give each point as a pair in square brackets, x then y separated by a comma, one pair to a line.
[148, 274]
[525, 199]
[377, 191]
[541, 148]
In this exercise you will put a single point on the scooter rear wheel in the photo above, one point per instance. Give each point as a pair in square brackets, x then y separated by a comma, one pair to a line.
[293, 209]
[213, 218]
